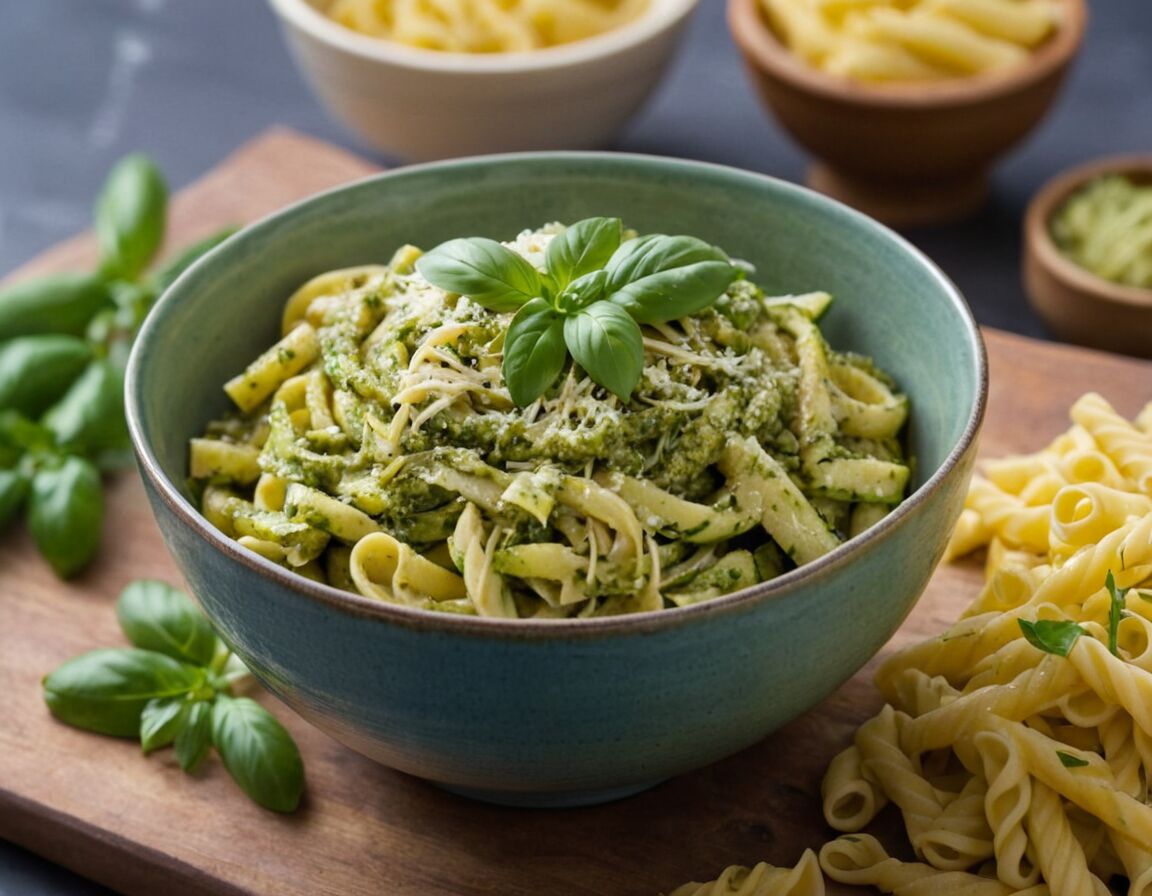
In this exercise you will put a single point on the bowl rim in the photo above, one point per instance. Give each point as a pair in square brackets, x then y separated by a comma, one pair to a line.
[647, 622]
[660, 16]
[1038, 235]
[759, 43]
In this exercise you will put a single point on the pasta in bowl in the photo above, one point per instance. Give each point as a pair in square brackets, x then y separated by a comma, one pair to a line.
[386, 443]
[547, 711]
[452, 85]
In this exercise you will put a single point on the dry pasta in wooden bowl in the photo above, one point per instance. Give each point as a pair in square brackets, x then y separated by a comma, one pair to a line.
[906, 105]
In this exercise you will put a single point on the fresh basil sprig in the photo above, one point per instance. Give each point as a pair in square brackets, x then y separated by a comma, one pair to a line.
[174, 687]
[589, 302]
[64, 344]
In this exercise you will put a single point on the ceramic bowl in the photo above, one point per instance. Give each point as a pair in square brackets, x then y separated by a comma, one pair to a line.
[1077, 305]
[908, 154]
[418, 105]
[539, 712]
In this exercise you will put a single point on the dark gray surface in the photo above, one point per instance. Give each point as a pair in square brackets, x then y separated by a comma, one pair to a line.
[82, 82]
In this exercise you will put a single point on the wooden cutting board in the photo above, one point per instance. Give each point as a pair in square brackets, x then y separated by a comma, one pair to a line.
[142, 826]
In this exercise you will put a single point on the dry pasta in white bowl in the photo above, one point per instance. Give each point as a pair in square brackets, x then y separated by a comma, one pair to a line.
[435, 447]
[484, 26]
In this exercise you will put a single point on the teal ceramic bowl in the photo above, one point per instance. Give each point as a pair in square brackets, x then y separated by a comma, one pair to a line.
[577, 711]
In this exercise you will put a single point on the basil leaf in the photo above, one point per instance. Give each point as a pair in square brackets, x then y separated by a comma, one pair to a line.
[659, 278]
[161, 719]
[36, 370]
[18, 435]
[1069, 761]
[533, 351]
[486, 272]
[65, 512]
[174, 267]
[195, 736]
[130, 215]
[13, 488]
[106, 690]
[607, 343]
[1116, 612]
[57, 303]
[582, 248]
[583, 291]
[258, 752]
[90, 416]
[1051, 635]
[156, 616]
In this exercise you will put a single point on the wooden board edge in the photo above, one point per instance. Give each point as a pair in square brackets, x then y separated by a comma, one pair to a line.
[102, 856]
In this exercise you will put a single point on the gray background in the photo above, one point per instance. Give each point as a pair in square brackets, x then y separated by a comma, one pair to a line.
[82, 82]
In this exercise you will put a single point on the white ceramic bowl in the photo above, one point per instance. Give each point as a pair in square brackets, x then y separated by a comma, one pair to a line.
[420, 104]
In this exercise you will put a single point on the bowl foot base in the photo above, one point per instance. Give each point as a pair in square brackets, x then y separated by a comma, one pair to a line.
[563, 799]
[903, 203]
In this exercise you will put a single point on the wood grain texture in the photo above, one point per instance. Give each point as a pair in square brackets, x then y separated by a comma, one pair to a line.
[142, 826]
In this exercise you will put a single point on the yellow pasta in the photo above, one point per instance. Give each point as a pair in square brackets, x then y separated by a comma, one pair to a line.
[1055, 739]
[762, 880]
[912, 40]
[484, 26]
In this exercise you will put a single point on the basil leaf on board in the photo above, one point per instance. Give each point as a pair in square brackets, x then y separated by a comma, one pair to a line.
[174, 267]
[160, 720]
[607, 343]
[130, 217]
[533, 351]
[156, 616]
[65, 512]
[195, 736]
[90, 416]
[36, 370]
[258, 752]
[57, 303]
[583, 291]
[13, 489]
[106, 690]
[660, 278]
[1116, 612]
[582, 248]
[486, 272]
[1051, 635]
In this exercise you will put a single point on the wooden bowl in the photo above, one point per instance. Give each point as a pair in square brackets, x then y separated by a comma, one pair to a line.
[1077, 305]
[909, 153]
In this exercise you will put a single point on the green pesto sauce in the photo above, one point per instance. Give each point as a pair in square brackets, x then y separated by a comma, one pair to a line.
[672, 431]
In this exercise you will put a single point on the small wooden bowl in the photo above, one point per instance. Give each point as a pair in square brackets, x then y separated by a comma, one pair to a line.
[909, 153]
[1077, 305]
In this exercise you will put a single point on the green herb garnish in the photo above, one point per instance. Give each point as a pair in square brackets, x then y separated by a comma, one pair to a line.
[175, 687]
[1116, 612]
[64, 342]
[1070, 761]
[590, 301]
[1052, 635]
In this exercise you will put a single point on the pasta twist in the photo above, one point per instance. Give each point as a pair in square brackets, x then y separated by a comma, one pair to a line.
[1127, 445]
[859, 859]
[763, 879]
